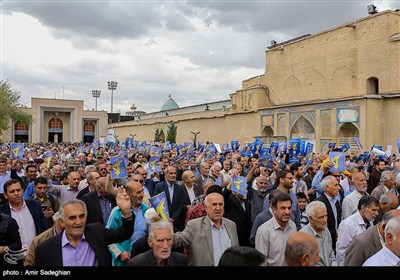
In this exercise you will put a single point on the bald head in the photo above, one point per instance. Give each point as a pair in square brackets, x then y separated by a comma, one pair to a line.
[132, 186]
[301, 250]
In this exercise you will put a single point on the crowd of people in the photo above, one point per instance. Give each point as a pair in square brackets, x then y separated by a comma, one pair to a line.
[67, 211]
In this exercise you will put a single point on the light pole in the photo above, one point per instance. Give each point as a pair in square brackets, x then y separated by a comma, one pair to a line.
[96, 94]
[112, 85]
[195, 138]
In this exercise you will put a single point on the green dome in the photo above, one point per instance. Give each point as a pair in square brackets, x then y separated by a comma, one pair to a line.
[170, 104]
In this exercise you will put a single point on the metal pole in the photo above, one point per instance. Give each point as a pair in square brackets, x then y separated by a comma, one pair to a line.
[112, 96]
[96, 104]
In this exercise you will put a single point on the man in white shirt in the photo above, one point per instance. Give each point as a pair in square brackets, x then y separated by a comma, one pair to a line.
[357, 223]
[389, 255]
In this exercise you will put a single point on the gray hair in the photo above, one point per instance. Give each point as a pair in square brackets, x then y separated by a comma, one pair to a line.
[385, 198]
[90, 168]
[312, 206]
[393, 226]
[386, 175]
[326, 182]
[160, 225]
[57, 216]
[217, 163]
[351, 166]
[71, 202]
[209, 181]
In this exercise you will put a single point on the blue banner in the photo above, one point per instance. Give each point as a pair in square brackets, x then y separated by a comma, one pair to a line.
[159, 202]
[17, 150]
[239, 184]
[358, 142]
[338, 160]
[118, 168]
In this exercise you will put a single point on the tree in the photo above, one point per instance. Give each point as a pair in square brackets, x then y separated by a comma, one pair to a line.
[10, 107]
[172, 130]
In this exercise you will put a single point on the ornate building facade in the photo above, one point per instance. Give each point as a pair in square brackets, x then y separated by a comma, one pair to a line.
[328, 87]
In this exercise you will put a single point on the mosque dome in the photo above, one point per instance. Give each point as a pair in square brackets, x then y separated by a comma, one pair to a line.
[170, 104]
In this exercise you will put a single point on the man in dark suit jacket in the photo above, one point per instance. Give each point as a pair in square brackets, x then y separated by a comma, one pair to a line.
[160, 240]
[330, 186]
[99, 203]
[176, 205]
[59, 250]
[13, 192]
[188, 179]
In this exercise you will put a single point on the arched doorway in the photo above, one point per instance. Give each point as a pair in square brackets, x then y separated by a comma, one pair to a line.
[303, 129]
[21, 132]
[55, 130]
[346, 134]
[268, 135]
[89, 130]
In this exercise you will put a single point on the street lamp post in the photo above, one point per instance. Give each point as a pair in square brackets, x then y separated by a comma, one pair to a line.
[112, 85]
[195, 138]
[96, 94]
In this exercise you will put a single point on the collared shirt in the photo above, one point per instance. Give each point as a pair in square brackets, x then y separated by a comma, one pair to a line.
[191, 194]
[350, 203]
[62, 192]
[332, 201]
[26, 224]
[171, 191]
[221, 240]
[383, 257]
[271, 238]
[81, 255]
[326, 253]
[105, 206]
[348, 229]
[140, 226]
[257, 203]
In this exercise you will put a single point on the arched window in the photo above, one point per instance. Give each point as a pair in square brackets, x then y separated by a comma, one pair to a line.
[302, 128]
[89, 127]
[55, 123]
[326, 126]
[20, 126]
[373, 85]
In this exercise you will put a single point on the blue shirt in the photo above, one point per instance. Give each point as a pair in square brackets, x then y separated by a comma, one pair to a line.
[81, 255]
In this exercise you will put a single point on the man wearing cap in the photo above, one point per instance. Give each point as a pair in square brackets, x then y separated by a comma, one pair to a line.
[100, 159]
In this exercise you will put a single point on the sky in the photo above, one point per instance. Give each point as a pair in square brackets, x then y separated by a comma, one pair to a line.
[195, 51]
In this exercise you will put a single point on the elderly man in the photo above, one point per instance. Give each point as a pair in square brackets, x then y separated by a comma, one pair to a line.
[92, 239]
[317, 227]
[350, 202]
[160, 241]
[355, 224]
[389, 254]
[121, 252]
[301, 250]
[208, 237]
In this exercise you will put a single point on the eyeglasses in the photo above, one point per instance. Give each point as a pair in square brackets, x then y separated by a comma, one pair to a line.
[137, 180]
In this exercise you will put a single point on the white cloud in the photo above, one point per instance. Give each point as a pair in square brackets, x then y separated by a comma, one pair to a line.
[197, 51]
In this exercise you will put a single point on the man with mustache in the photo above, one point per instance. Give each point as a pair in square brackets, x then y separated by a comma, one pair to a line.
[89, 242]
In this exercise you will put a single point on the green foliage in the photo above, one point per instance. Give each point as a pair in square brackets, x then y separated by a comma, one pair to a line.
[172, 131]
[10, 107]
